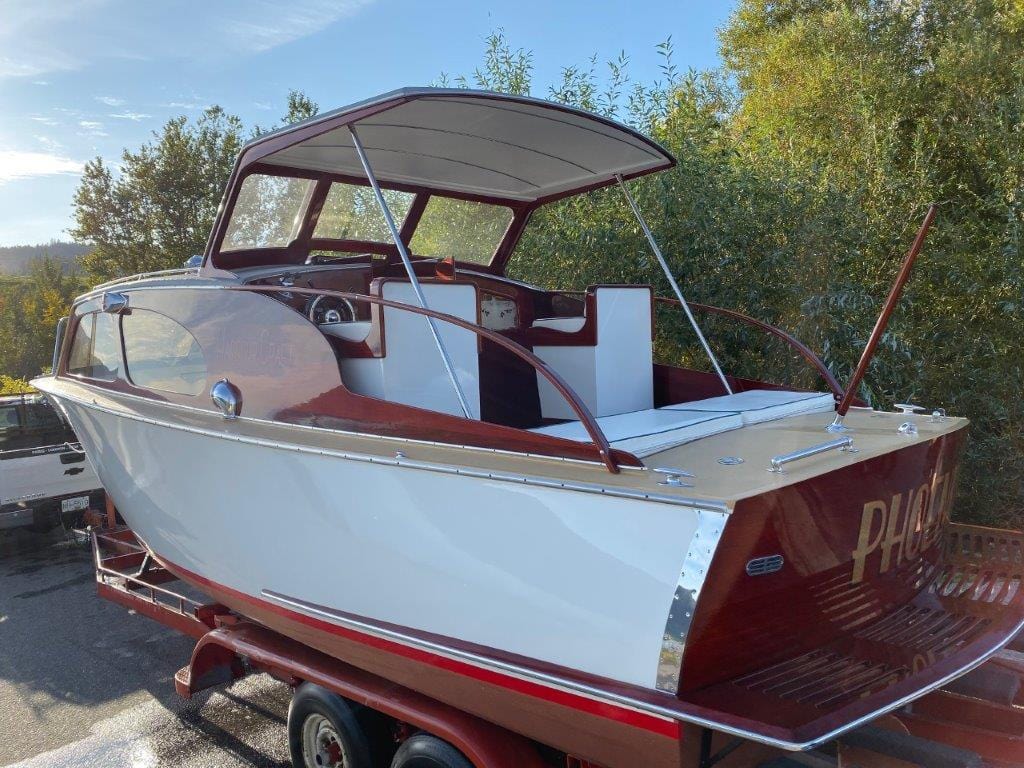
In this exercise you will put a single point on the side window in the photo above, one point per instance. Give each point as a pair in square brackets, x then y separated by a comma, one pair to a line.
[45, 424]
[96, 348]
[10, 427]
[161, 354]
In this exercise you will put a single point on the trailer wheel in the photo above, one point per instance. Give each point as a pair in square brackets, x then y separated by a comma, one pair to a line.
[324, 732]
[425, 751]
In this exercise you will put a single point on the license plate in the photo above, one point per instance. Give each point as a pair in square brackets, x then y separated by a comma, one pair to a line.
[73, 504]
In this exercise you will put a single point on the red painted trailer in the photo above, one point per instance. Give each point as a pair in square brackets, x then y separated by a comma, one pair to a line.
[341, 715]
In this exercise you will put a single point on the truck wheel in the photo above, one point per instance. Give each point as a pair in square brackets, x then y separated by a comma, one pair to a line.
[323, 731]
[425, 751]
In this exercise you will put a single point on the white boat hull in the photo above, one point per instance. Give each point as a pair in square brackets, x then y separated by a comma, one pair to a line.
[580, 580]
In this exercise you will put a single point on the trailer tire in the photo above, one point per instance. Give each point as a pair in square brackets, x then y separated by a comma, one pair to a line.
[324, 731]
[425, 751]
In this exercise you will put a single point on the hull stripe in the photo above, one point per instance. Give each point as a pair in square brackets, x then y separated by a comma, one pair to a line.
[659, 725]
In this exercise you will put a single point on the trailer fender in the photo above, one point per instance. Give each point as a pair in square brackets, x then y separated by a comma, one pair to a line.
[233, 650]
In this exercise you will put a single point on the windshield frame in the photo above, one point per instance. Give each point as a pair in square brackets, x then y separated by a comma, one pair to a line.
[304, 242]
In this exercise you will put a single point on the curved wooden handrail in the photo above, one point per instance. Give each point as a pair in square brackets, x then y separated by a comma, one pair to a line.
[806, 352]
[585, 416]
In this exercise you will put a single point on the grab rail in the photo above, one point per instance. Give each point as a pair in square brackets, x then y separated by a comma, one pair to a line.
[842, 443]
[585, 416]
[806, 352]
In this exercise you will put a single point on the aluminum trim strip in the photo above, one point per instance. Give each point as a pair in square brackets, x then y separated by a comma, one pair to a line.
[399, 461]
[703, 546]
[348, 433]
[619, 699]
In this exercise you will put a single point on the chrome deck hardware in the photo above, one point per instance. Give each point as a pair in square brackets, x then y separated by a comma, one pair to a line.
[674, 477]
[842, 444]
[227, 397]
[115, 303]
[730, 461]
[908, 409]
[907, 428]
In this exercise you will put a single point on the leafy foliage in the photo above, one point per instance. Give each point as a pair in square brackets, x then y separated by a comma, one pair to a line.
[29, 310]
[155, 211]
[158, 210]
[12, 386]
[804, 168]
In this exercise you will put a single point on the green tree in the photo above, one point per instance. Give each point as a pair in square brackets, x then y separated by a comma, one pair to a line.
[158, 209]
[12, 386]
[29, 310]
[804, 168]
[897, 105]
[300, 107]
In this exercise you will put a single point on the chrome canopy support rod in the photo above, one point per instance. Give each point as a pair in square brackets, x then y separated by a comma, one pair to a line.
[672, 281]
[413, 280]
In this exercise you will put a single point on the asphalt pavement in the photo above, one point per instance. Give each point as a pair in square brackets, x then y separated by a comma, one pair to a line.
[84, 682]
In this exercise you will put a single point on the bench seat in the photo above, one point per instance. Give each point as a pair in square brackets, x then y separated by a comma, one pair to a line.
[652, 430]
[760, 405]
[649, 431]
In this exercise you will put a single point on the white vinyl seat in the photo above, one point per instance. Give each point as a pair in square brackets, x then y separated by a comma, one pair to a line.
[563, 324]
[411, 370]
[353, 330]
[759, 405]
[615, 374]
[650, 430]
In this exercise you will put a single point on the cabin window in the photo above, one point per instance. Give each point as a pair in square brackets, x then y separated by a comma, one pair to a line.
[161, 354]
[96, 348]
[460, 229]
[267, 213]
[351, 212]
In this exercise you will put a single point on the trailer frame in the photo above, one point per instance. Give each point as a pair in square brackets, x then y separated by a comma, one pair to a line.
[977, 722]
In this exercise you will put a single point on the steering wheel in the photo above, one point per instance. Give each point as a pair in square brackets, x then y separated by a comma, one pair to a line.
[330, 309]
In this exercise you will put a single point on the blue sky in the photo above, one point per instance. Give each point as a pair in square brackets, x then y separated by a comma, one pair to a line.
[80, 78]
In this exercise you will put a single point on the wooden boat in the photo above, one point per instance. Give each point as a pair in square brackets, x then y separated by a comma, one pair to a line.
[348, 425]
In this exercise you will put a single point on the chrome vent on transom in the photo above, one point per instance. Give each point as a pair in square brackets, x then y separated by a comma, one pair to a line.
[762, 566]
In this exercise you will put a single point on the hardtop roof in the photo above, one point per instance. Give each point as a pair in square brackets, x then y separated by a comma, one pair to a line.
[497, 147]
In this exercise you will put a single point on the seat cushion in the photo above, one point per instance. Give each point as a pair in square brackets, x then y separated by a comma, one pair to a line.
[564, 324]
[354, 330]
[759, 405]
[649, 431]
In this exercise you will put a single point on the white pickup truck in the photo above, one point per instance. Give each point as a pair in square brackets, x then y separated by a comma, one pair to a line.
[44, 476]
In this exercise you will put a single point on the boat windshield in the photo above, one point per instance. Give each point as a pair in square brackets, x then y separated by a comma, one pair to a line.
[267, 213]
[271, 210]
[463, 230]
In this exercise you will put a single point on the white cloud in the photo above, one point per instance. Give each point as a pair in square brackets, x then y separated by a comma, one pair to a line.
[51, 144]
[44, 120]
[61, 35]
[110, 101]
[25, 36]
[283, 24]
[182, 105]
[261, 105]
[133, 116]
[91, 128]
[15, 164]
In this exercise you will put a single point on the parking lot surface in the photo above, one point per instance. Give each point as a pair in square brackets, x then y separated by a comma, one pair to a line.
[84, 682]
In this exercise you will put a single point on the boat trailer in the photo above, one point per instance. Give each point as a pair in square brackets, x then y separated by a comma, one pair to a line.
[975, 722]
